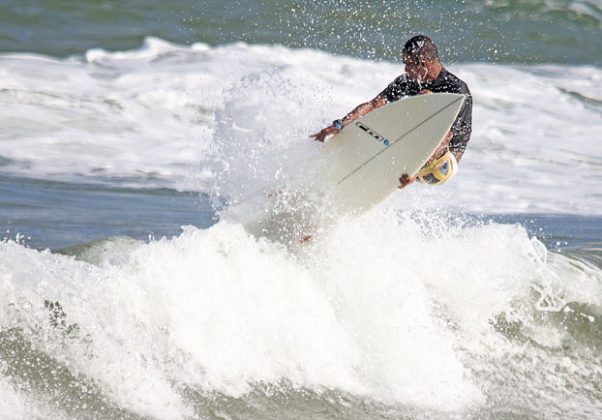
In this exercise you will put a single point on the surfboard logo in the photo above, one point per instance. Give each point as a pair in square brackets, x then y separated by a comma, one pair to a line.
[373, 133]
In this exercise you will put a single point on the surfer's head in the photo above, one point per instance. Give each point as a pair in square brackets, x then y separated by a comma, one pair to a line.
[420, 56]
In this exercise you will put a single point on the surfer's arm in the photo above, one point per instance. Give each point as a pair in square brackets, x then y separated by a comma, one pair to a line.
[358, 112]
[362, 109]
[462, 128]
[405, 179]
[458, 138]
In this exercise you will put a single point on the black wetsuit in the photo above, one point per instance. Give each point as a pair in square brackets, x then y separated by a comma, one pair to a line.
[446, 82]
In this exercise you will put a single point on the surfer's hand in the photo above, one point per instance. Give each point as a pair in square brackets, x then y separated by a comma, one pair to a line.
[406, 180]
[425, 91]
[328, 131]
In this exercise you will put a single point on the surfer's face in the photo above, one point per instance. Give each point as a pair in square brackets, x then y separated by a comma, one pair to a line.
[416, 67]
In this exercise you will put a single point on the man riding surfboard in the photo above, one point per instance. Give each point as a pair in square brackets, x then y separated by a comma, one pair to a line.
[424, 74]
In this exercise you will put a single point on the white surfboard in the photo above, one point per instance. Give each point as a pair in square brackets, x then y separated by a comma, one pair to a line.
[369, 155]
[358, 168]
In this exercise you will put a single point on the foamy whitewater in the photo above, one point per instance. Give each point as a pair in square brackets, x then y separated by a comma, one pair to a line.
[412, 310]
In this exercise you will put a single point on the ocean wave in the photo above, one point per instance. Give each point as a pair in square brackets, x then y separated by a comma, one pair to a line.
[405, 309]
[235, 119]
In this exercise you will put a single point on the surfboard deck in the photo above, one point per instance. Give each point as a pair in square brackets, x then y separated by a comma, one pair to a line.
[358, 168]
[369, 155]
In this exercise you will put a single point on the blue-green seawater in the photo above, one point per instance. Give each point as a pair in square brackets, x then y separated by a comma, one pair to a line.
[526, 31]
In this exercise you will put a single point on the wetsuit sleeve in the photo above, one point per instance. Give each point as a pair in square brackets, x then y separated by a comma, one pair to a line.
[462, 127]
[397, 89]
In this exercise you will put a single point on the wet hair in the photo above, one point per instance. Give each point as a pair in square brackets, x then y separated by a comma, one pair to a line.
[421, 47]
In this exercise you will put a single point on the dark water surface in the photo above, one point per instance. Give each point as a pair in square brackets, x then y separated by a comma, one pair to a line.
[58, 215]
[560, 31]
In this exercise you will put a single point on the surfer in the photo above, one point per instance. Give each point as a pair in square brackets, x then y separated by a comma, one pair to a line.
[424, 74]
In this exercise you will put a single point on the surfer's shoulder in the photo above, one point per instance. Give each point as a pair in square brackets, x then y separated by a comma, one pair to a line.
[402, 79]
[453, 80]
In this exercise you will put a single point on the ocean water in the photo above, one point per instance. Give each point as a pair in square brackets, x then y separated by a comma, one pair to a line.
[134, 136]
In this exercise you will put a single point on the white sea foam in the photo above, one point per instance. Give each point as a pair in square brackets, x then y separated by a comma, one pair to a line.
[235, 119]
[220, 310]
